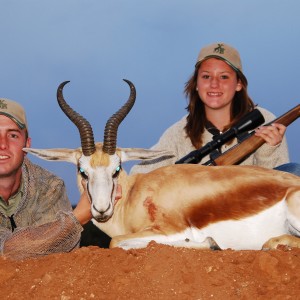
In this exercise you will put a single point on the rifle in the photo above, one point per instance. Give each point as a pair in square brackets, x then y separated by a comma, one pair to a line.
[248, 122]
[246, 146]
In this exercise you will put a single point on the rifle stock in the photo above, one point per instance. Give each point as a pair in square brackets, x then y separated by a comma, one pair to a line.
[239, 152]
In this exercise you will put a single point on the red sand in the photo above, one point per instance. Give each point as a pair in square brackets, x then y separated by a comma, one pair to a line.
[156, 272]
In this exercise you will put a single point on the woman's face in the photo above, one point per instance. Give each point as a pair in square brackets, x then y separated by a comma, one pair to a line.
[217, 84]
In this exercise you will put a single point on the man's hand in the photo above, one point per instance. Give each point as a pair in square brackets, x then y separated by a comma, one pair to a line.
[83, 209]
[272, 134]
[118, 193]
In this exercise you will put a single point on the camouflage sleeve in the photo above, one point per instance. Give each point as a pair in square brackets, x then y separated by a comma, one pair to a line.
[60, 235]
[45, 223]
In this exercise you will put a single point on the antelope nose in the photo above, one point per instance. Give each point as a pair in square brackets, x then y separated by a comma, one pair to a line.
[102, 212]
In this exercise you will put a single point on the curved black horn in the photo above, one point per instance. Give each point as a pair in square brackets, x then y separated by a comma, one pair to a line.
[111, 127]
[84, 127]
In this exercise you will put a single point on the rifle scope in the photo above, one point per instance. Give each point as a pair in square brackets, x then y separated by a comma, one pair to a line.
[250, 121]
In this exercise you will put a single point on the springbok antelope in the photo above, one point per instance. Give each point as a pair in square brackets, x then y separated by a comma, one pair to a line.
[237, 207]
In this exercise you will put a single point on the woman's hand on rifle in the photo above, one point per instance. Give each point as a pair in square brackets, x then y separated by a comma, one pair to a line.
[272, 134]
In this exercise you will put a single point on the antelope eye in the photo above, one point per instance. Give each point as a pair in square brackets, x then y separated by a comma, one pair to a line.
[83, 174]
[117, 172]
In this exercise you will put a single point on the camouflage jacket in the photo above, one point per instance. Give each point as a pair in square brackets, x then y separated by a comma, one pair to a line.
[44, 219]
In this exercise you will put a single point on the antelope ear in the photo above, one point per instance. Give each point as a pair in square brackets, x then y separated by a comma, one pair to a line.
[68, 155]
[144, 154]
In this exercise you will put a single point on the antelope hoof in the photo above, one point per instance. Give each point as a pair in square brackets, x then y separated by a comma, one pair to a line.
[213, 244]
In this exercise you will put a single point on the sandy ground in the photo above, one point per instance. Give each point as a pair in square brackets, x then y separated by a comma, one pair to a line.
[155, 272]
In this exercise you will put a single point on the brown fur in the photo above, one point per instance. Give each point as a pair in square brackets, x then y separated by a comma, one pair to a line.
[224, 206]
[99, 158]
[151, 208]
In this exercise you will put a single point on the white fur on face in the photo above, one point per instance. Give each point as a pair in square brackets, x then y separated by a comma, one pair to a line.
[101, 185]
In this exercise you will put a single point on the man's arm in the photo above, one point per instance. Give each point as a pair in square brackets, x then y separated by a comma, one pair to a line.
[45, 225]
[60, 235]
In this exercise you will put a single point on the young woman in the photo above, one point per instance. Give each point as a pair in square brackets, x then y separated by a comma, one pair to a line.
[218, 99]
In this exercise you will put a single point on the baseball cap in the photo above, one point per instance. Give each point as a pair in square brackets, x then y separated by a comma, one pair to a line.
[14, 111]
[224, 52]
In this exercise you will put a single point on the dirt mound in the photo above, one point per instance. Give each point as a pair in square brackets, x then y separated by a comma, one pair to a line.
[156, 272]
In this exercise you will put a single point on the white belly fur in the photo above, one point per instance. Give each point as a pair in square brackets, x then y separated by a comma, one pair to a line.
[249, 233]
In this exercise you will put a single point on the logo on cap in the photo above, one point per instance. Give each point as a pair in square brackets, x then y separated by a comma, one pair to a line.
[3, 105]
[219, 49]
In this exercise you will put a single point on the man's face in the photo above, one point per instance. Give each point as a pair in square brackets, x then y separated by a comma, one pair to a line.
[12, 140]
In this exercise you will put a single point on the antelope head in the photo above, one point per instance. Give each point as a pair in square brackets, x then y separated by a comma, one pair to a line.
[99, 164]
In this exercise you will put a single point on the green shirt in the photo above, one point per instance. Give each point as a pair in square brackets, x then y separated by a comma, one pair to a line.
[9, 208]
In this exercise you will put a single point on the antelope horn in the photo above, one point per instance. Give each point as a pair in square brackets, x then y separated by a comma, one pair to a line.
[111, 127]
[84, 127]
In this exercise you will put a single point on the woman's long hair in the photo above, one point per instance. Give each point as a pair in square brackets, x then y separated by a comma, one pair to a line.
[196, 119]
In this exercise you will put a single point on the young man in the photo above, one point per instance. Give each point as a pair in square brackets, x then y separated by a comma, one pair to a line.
[36, 217]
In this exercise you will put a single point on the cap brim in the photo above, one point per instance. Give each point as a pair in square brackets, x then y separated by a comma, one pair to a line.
[225, 60]
[19, 124]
